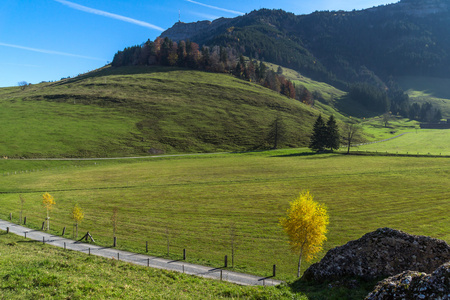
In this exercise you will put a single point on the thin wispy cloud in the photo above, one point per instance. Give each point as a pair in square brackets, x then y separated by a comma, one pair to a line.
[108, 15]
[49, 51]
[213, 7]
[206, 16]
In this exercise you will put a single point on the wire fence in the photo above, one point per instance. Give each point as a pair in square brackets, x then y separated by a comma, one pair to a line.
[229, 246]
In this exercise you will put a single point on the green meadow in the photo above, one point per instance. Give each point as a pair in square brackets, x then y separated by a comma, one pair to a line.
[207, 203]
[212, 205]
[417, 141]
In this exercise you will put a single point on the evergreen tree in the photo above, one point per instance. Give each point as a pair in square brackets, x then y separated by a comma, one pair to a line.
[206, 59]
[277, 132]
[332, 134]
[318, 139]
[262, 71]
[223, 55]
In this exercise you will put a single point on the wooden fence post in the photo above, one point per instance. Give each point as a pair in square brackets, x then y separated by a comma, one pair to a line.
[274, 270]
[115, 242]
[168, 241]
[64, 231]
[7, 229]
[226, 261]
[43, 225]
[146, 246]
[10, 216]
[184, 254]
[25, 221]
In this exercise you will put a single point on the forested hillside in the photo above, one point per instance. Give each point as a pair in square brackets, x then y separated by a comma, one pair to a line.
[373, 46]
[410, 37]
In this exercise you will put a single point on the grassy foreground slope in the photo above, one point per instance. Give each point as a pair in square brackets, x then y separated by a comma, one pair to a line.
[31, 270]
[136, 110]
[199, 201]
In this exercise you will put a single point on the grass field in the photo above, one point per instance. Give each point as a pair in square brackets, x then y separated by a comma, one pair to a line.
[197, 200]
[207, 204]
[34, 271]
[417, 141]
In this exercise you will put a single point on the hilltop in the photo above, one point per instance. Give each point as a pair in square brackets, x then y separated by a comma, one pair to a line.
[146, 110]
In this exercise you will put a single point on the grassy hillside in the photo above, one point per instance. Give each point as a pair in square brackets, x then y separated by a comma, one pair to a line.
[196, 201]
[428, 89]
[132, 110]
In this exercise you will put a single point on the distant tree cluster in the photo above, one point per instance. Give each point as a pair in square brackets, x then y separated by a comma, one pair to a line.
[392, 99]
[424, 112]
[325, 135]
[187, 54]
[370, 96]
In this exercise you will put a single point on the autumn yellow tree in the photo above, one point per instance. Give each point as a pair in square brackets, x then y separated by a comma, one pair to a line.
[48, 202]
[305, 224]
[77, 216]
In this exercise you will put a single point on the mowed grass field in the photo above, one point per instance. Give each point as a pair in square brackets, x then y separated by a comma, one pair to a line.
[415, 141]
[198, 201]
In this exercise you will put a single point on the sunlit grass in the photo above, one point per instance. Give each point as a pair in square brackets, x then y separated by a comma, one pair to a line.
[417, 141]
[34, 271]
[197, 200]
[133, 110]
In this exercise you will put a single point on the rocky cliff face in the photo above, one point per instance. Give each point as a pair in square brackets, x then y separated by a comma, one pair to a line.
[183, 31]
[382, 253]
[187, 31]
[414, 285]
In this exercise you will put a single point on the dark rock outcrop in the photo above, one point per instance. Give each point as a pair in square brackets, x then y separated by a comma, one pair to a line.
[382, 253]
[188, 31]
[414, 285]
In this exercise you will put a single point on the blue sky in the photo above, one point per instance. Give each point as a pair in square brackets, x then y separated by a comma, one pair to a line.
[45, 40]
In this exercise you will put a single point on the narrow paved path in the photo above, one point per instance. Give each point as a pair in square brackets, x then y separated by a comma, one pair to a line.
[138, 259]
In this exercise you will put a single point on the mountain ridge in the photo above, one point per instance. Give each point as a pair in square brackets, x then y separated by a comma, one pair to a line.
[338, 47]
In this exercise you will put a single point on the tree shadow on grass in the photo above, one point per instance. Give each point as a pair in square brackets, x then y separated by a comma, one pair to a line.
[296, 154]
[29, 241]
[316, 155]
